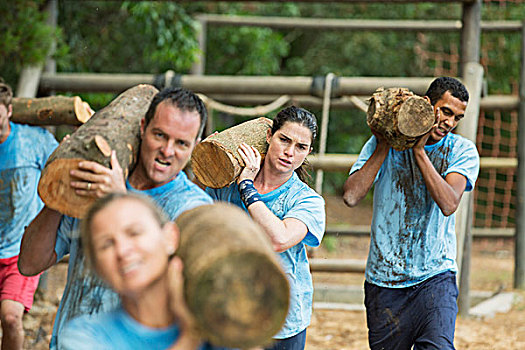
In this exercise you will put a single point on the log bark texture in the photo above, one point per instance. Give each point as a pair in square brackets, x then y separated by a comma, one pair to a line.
[400, 116]
[233, 283]
[216, 162]
[116, 126]
[53, 110]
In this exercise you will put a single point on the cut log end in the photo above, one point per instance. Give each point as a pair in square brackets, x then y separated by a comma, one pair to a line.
[55, 185]
[102, 145]
[83, 110]
[252, 310]
[213, 166]
[415, 117]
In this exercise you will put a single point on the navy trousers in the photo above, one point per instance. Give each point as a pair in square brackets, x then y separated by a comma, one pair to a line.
[297, 342]
[423, 316]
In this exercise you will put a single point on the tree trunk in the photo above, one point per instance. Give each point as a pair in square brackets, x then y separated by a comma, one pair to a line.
[216, 162]
[54, 110]
[116, 126]
[400, 116]
[233, 283]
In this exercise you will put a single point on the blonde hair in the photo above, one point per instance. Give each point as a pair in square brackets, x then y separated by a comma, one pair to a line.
[100, 204]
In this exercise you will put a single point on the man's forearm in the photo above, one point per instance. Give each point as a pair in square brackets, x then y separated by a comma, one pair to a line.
[37, 251]
[446, 195]
[359, 183]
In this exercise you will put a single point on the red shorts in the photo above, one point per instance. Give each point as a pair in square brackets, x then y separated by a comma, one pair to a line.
[15, 286]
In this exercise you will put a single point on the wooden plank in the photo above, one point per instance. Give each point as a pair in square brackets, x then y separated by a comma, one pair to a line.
[342, 230]
[337, 265]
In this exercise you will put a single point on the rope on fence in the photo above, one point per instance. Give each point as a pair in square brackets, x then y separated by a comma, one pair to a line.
[245, 111]
[358, 103]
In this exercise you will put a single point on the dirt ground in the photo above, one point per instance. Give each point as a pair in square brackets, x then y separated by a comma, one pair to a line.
[492, 270]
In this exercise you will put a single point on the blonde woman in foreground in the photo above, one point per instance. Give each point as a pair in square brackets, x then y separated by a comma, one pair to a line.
[128, 242]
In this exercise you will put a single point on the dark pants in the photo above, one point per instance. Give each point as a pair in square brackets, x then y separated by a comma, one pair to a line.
[297, 342]
[423, 315]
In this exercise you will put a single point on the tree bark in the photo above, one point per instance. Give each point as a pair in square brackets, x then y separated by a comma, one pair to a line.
[216, 162]
[400, 116]
[233, 283]
[53, 110]
[116, 126]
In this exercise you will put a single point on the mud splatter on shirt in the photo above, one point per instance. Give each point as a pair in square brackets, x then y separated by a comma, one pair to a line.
[22, 157]
[411, 238]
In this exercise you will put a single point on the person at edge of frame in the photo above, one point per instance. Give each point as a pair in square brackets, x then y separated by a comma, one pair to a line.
[21, 164]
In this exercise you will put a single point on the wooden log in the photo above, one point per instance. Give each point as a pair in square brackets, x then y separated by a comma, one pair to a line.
[233, 283]
[53, 110]
[216, 162]
[399, 116]
[116, 126]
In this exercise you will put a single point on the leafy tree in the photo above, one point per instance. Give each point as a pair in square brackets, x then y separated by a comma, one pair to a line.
[25, 37]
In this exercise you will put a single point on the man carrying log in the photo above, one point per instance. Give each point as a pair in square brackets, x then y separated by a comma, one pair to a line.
[21, 162]
[410, 287]
[169, 131]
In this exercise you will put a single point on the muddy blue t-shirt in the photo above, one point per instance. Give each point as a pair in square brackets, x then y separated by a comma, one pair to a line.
[411, 239]
[293, 199]
[22, 158]
[84, 292]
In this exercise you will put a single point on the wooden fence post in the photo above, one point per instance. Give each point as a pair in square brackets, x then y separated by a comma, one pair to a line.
[519, 268]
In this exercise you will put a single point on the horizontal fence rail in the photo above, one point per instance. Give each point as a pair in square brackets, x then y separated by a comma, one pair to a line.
[352, 24]
[228, 84]
[343, 162]
[246, 90]
[488, 103]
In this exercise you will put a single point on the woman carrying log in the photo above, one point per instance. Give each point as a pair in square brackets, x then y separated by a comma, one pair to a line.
[291, 213]
[128, 241]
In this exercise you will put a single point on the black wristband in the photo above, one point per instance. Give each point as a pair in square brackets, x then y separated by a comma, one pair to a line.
[249, 194]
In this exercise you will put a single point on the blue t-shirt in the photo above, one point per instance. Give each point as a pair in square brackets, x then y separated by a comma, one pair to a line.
[293, 199]
[22, 158]
[117, 330]
[85, 293]
[411, 239]
[114, 330]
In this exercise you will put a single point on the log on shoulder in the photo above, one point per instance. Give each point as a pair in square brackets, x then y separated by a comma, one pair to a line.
[216, 162]
[400, 116]
[53, 110]
[115, 127]
[233, 283]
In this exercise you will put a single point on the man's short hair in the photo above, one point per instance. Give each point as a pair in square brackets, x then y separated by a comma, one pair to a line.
[6, 94]
[443, 84]
[183, 99]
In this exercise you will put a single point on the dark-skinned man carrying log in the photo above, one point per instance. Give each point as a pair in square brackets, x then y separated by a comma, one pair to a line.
[410, 287]
[169, 131]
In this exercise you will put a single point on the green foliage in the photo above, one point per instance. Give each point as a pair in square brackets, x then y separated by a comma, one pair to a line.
[26, 38]
[172, 33]
[130, 37]
[245, 51]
